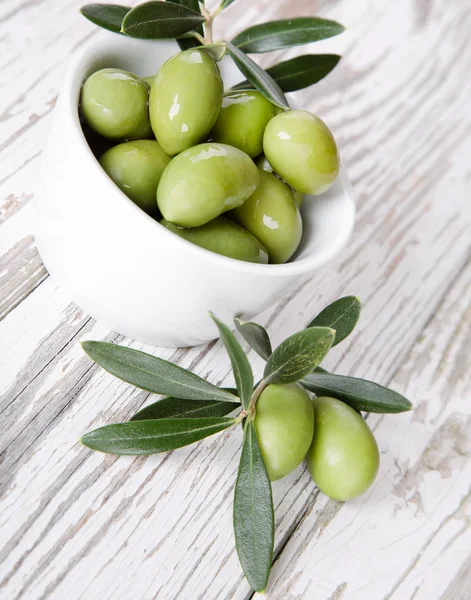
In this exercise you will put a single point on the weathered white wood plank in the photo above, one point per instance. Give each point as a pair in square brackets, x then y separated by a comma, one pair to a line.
[74, 523]
[410, 535]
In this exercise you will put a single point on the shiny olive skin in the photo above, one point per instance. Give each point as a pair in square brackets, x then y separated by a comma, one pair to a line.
[242, 121]
[343, 458]
[284, 422]
[225, 237]
[273, 217]
[185, 100]
[136, 168]
[115, 104]
[302, 151]
[203, 182]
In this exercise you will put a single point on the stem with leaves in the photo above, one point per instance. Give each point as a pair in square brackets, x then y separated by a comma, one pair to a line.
[191, 24]
[195, 409]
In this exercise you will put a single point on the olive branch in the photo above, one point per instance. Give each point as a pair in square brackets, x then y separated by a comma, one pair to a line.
[194, 409]
[191, 24]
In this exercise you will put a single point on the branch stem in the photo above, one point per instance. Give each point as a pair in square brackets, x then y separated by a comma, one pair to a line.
[255, 396]
[208, 26]
[199, 37]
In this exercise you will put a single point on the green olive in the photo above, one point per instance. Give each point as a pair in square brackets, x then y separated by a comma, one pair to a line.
[225, 237]
[343, 458]
[203, 182]
[301, 149]
[284, 422]
[263, 164]
[185, 100]
[149, 79]
[272, 216]
[298, 198]
[242, 121]
[136, 168]
[115, 104]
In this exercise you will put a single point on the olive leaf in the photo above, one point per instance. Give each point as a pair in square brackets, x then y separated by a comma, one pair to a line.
[216, 51]
[240, 365]
[342, 315]
[256, 336]
[226, 3]
[107, 16]
[298, 355]
[186, 43]
[151, 437]
[169, 408]
[358, 393]
[189, 41]
[153, 374]
[299, 72]
[258, 77]
[284, 33]
[159, 20]
[253, 513]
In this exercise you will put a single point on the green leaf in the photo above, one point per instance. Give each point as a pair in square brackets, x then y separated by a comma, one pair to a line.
[226, 3]
[240, 365]
[300, 72]
[358, 393]
[159, 20]
[298, 355]
[151, 437]
[152, 374]
[342, 315]
[258, 77]
[284, 33]
[216, 51]
[189, 42]
[169, 408]
[253, 513]
[256, 336]
[192, 4]
[107, 16]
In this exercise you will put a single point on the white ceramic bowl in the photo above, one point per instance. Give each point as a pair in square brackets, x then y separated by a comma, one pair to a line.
[124, 268]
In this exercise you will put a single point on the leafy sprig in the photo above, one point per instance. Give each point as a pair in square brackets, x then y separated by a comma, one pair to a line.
[195, 409]
[191, 24]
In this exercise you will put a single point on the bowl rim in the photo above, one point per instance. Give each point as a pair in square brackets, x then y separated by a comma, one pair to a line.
[70, 94]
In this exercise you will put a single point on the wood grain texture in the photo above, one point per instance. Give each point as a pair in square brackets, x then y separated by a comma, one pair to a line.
[408, 537]
[74, 523]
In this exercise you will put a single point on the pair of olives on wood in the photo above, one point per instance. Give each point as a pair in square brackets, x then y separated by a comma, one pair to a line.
[337, 444]
[185, 152]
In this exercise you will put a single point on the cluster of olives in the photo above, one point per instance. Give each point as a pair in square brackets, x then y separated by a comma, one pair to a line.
[339, 448]
[186, 153]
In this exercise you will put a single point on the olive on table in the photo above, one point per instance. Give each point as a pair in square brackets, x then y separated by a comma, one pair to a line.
[343, 458]
[223, 236]
[185, 100]
[115, 104]
[302, 150]
[203, 182]
[273, 217]
[242, 121]
[284, 422]
[136, 167]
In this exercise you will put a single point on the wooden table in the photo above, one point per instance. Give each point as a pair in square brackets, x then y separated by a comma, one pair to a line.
[77, 524]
